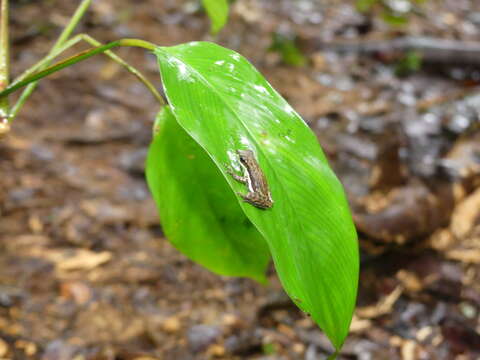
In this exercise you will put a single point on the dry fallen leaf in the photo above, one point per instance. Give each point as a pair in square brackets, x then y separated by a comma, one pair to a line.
[83, 260]
[466, 215]
[408, 350]
[3, 348]
[409, 280]
[384, 306]
[4, 127]
[358, 325]
[471, 256]
[68, 259]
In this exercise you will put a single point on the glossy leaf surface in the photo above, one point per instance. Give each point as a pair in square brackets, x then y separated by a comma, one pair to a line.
[225, 104]
[199, 214]
[217, 11]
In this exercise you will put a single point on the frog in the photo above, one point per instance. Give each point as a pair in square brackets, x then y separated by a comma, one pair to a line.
[253, 176]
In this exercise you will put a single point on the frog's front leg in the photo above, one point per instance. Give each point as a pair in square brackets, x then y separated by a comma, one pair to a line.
[240, 178]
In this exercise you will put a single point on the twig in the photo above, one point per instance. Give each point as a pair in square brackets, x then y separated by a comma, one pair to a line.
[430, 49]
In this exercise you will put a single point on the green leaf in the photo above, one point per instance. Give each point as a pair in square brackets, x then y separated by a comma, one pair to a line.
[197, 208]
[410, 63]
[394, 19]
[365, 5]
[333, 356]
[269, 349]
[288, 50]
[217, 11]
[225, 104]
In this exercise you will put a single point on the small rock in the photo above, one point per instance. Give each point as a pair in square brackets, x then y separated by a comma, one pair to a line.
[298, 348]
[216, 350]
[42, 153]
[172, 324]
[20, 195]
[59, 350]
[311, 353]
[133, 161]
[232, 321]
[29, 348]
[9, 296]
[244, 343]
[201, 336]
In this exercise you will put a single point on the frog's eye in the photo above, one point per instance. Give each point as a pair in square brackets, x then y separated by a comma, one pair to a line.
[244, 154]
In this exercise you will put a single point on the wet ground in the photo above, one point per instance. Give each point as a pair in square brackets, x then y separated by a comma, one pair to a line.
[85, 272]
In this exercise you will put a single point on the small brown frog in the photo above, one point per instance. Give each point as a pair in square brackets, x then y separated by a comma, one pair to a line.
[253, 176]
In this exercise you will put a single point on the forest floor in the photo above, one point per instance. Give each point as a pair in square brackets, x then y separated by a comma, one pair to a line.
[85, 271]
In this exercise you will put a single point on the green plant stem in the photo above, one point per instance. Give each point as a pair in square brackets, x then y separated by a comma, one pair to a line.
[66, 33]
[73, 60]
[4, 58]
[4, 46]
[72, 24]
[58, 66]
[130, 68]
[73, 41]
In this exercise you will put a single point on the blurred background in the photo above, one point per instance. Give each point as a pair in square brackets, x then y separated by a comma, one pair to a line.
[391, 88]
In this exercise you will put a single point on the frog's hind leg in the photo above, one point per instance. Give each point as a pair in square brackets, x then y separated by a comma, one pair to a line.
[257, 200]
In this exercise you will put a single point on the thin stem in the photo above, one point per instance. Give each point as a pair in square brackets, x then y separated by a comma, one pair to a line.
[129, 67]
[54, 51]
[137, 43]
[67, 32]
[4, 46]
[58, 66]
[75, 59]
[87, 38]
[4, 63]
[73, 41]
[47, 59]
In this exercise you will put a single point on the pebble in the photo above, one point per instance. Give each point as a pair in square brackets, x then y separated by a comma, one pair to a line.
[201, 336]
[172, 324]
